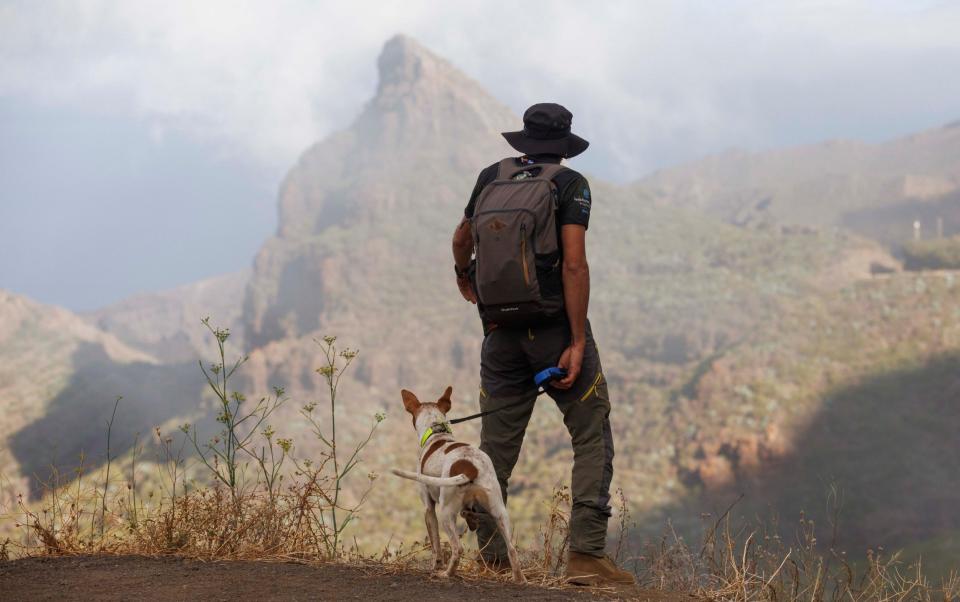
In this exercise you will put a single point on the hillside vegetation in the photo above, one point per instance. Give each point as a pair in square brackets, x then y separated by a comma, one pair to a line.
[934, 254]
[852, 392]
[50, 363]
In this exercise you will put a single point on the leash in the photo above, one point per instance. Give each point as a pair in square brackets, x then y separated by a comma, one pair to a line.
[542, 378]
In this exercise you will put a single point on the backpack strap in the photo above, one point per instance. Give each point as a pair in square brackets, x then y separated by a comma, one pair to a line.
[508, 168]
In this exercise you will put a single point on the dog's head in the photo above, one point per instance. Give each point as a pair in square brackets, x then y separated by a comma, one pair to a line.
[426, 415]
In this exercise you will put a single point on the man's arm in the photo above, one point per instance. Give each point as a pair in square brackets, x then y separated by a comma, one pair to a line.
[463, 237]
[576, 297]
[462, 250]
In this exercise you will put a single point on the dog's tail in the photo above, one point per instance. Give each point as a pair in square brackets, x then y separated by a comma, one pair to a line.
[460, 479]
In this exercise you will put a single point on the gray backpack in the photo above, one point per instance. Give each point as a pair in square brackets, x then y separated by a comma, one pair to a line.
[516, 271]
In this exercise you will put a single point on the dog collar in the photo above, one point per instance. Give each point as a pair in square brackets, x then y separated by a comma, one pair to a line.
[438, 427]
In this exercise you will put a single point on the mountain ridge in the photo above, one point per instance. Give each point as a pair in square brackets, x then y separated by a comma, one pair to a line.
[38, 361]
[822, 184]
[166, 323]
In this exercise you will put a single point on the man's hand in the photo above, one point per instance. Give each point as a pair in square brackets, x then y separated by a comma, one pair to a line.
[571, 360]
[466, 289]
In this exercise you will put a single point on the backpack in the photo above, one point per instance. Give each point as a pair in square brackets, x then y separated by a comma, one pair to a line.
[516, 269]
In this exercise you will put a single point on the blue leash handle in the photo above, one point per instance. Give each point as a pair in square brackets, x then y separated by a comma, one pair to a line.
[544, 377]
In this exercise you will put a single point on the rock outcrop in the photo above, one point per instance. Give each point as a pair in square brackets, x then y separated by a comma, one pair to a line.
[374, 203]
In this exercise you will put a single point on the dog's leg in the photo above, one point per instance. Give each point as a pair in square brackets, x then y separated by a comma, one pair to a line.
[433, 529]
[499, 513]
[449, 506]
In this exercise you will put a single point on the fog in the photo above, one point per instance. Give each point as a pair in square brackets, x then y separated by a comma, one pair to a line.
[141, 144]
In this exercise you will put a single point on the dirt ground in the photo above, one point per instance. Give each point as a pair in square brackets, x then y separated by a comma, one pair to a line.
[165, 578]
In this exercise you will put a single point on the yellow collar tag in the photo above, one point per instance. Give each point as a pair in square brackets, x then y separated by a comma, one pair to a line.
[433, 430]
[426, 435]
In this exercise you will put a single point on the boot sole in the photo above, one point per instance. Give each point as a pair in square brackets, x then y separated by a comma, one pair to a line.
[597, 581]
[586, 581]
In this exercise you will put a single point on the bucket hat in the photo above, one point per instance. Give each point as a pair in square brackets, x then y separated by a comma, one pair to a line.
[546, 131]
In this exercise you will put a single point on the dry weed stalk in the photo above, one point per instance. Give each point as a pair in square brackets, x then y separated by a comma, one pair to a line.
[555, 534]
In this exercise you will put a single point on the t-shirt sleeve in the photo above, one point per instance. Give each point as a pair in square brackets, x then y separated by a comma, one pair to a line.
[575, 203]
[486, 176]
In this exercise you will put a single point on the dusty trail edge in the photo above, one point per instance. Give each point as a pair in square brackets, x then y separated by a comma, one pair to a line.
[105, 577]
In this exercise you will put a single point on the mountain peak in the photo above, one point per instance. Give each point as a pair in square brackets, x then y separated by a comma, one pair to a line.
[403, 59]
[407, 67]
[407, 164]
[425, 102]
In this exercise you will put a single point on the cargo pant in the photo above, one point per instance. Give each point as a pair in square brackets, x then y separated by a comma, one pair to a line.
[509, 359]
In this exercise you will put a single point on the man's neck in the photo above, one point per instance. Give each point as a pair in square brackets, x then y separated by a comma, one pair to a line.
[541, 158]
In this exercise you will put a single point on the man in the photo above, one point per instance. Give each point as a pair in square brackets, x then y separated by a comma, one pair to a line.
[519, 253]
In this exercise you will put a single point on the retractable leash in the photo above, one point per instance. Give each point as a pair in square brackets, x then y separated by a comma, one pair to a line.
[542, 379]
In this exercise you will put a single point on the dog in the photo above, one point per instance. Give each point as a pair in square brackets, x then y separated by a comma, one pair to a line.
[453, 476]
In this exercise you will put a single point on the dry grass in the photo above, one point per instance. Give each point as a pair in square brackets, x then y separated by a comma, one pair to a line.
[255, 510]
[208, 523]
[753, 562]
[730, 564]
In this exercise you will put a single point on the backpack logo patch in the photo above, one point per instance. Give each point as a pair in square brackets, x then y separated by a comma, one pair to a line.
[497, 224]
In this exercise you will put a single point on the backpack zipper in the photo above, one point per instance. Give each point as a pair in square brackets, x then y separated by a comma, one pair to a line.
[523, 254]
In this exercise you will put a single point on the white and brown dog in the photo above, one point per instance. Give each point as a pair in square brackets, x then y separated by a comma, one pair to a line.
[453, 476]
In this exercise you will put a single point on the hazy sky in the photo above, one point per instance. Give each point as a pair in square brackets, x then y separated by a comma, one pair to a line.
[141, 143]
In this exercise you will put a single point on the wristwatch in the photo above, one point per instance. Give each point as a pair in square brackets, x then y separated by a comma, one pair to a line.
[460, 273]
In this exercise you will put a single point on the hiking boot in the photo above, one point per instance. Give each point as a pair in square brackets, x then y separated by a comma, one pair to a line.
[584, 569]
[471, 518]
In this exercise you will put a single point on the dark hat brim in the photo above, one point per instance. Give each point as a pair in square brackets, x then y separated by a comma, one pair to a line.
[570, 145]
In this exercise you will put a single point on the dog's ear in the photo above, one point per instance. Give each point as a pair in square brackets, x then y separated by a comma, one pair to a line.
[410, 401]
[444, 402]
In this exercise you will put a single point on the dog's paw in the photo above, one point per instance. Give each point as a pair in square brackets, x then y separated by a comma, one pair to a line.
[441, 574]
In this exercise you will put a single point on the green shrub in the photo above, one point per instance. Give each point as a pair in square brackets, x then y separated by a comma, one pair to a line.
[936, 254]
